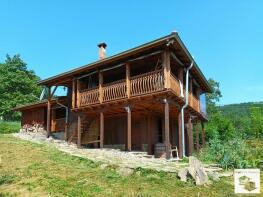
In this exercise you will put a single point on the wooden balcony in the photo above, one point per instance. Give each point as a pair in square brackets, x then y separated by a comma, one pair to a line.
[139, 85]
[143, 84]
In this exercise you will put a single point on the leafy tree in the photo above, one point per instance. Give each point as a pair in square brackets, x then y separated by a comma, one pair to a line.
[256, 121]
[17, 86]
[213, 98]
[218, 126]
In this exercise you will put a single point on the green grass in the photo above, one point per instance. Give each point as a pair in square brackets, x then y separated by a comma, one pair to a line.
[9, 127]
[29, 169]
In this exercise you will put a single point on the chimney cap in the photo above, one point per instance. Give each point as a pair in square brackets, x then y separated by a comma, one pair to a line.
[102, 44]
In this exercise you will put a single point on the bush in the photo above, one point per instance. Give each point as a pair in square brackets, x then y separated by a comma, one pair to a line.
[235, 153]
[9, 127]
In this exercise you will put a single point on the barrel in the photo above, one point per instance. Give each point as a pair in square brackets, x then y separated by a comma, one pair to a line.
[159, 150]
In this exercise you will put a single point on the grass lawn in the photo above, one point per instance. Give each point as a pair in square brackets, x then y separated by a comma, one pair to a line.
[29, 169]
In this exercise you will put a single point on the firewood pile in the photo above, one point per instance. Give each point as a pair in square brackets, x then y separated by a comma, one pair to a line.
[34, 128]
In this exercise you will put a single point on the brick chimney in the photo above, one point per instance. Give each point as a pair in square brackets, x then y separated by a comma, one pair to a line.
[102, 50]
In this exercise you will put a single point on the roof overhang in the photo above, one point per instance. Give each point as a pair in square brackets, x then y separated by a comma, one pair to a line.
[67, 77]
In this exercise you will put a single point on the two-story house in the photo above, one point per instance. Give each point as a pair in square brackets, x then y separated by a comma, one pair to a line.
[146, 99]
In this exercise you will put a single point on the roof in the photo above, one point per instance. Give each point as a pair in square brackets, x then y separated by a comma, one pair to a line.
[37, 104]
[69, 75]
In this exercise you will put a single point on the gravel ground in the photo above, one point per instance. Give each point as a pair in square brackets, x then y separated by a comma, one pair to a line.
[107, 156]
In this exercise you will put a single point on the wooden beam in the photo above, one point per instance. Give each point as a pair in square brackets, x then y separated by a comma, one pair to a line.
[190, 137]
[167, 129]
[66, 132]
[128, 109]
[100, 87]
[101, 129]
[197, 137]
[128, 80]
[149, 134]
[79, 131]
[167, 68]
[203, 134]
[190, 91]
[53, 92]
[78, 93]
[49, 113]
[73, 93]
[180, 143]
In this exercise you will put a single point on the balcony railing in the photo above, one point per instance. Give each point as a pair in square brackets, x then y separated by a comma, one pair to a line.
[147, 83]
[175, 85]
[193, 102]
[114, 91]
[139, 85]
[88, 97]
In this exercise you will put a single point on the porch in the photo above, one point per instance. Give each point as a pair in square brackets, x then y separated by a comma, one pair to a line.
[138, 126]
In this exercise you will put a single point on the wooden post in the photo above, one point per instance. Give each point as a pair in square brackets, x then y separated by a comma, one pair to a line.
[190, 91]
[100, 87]
[79, 131]
[128, 109]
[198, 97]
[180, 144]
[190, 137]
[149, 134]
[203, 134]
[167, 129]
[167, 68]
[49, 112]
[73, 93]
[78, 93]
[66, 132]
[128, 80]
[101, 129]
[197, 136]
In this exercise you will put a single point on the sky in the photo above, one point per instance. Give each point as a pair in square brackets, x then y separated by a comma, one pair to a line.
[225, 37]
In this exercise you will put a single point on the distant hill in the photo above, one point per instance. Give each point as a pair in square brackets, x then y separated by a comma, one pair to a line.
[241, 109]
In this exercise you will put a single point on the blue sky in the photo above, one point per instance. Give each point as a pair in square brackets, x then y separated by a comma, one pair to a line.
[225, 37]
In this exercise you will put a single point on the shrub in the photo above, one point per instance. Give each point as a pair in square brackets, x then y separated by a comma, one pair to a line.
[234, 153]
[9, 127]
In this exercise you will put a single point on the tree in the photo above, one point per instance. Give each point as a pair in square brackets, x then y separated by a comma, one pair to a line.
[256, 127]
[213, 98]
[17, 86]
[218, 125]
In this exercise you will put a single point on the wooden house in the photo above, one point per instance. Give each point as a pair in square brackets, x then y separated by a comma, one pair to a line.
[143, 99]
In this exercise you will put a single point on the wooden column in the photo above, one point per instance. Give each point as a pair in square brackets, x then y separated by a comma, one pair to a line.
[73, 93]
[167, 129]
[78, 93]
[128, 109]
[66, 132]
[197, 136]
[101, 129]
[190, 137]
[128, 80]
[198, 97]
[167, 68]
[203, 134]
[100, 87]
[190, 91]
[49, 112]
[79, 131]
[149, 134]
[180, 144]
